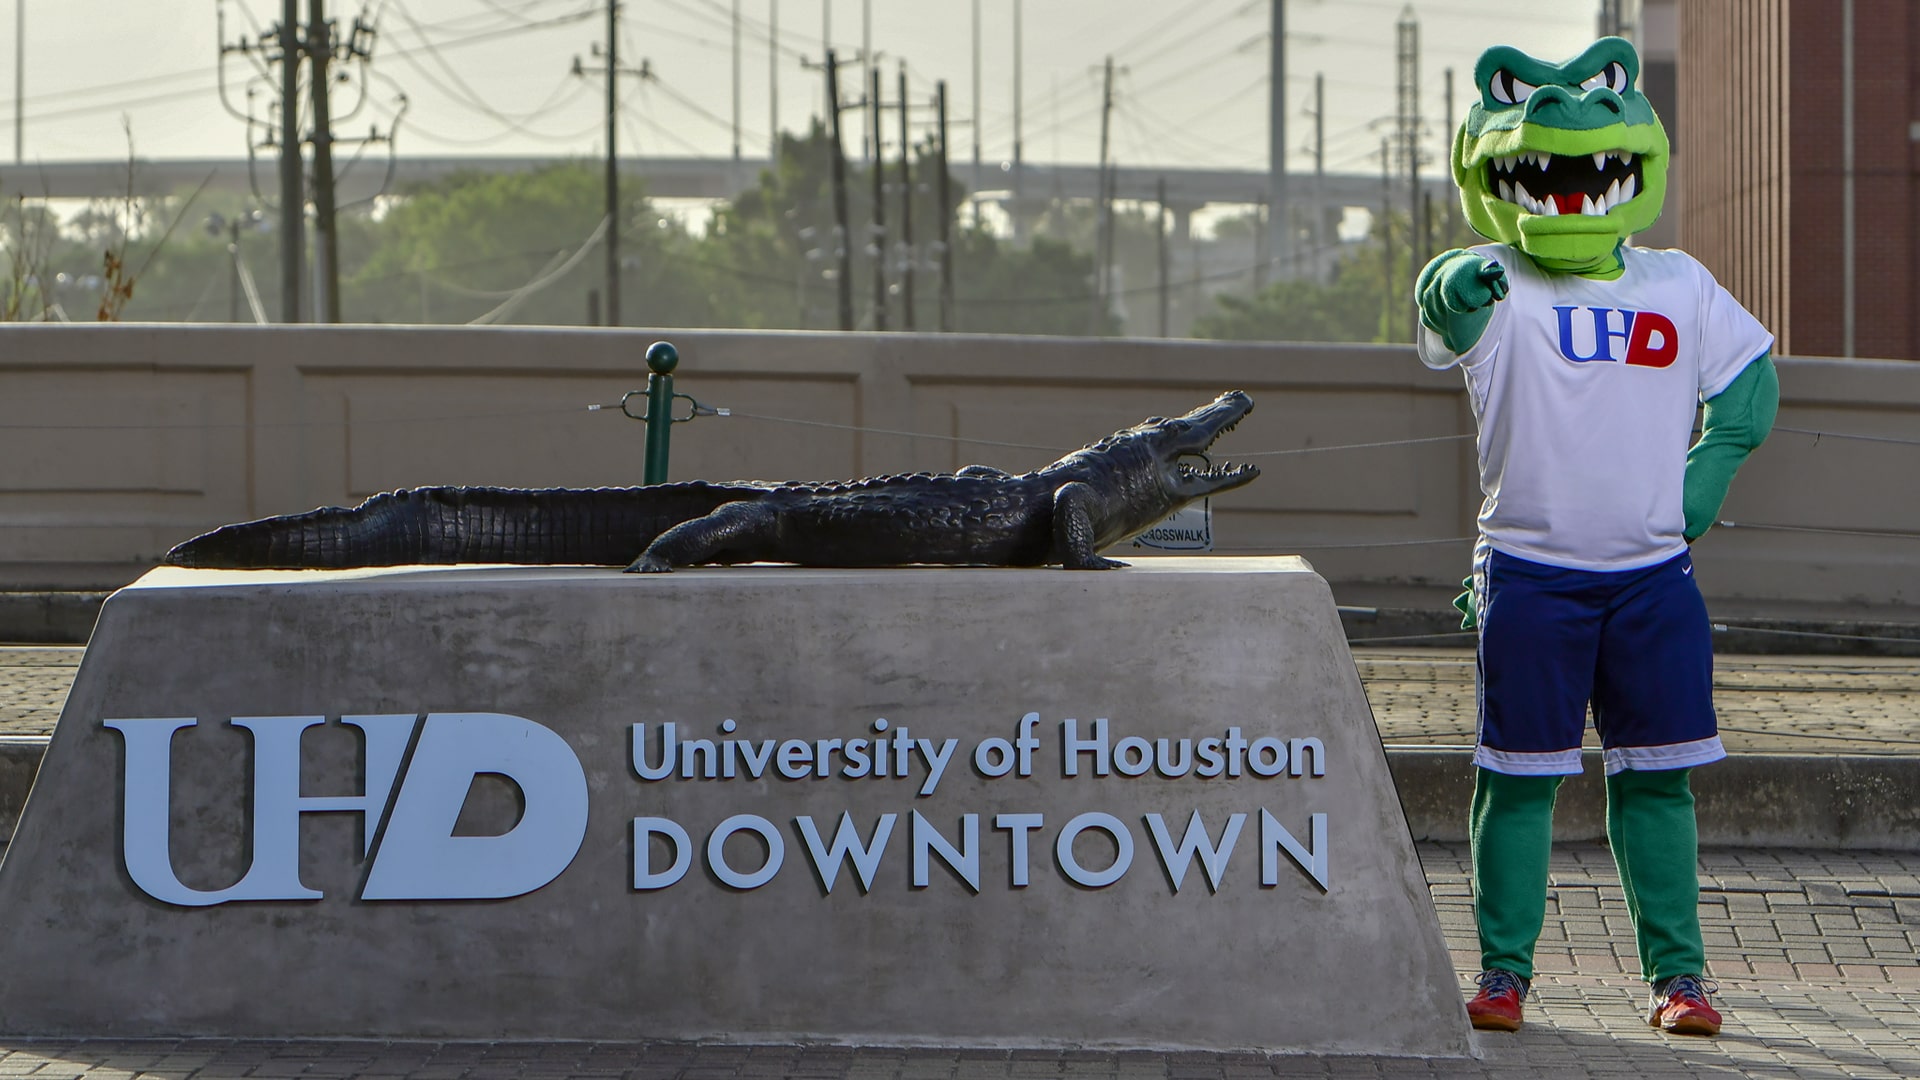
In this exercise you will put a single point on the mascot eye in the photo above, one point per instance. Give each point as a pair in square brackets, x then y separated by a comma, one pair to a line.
[1613, 77]
[1508, 90]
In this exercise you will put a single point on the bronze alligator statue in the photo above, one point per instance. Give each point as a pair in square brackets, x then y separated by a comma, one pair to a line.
[1065, 513]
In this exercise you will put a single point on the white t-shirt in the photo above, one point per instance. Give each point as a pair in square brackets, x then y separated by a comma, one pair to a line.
[1585, 394]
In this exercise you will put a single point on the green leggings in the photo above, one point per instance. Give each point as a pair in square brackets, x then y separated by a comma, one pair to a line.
[1650, 825]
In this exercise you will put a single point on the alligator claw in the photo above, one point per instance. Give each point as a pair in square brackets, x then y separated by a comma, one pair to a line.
[648, 564]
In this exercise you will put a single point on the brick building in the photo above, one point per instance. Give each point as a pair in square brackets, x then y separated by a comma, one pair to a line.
[1764, 182]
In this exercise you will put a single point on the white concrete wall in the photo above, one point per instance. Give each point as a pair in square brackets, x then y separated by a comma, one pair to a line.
[118, 441]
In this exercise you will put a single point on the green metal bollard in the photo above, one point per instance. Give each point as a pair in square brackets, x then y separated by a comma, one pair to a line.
[662, 358]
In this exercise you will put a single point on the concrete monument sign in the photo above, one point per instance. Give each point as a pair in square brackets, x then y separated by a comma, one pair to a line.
[1012, 807]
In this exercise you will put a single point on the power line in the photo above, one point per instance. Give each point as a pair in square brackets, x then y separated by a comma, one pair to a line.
[414, 127]
[198, 74]
[494, 35]
[723, 17]
[1205, 66]
[636, 117]
[554, 271]
[1152, 33]
[128, 105]
[508, 15]
[464, 93]
[1162, 52]
[1895, 440]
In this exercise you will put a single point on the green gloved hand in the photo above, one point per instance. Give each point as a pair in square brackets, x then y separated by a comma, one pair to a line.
[1456, 293]
[1465, 603]
[1733, 424]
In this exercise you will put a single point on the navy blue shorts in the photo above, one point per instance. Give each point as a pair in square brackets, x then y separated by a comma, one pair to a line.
[1635, 643]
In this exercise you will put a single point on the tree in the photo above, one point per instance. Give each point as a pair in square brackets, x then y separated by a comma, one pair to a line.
[1301, 309]
[518, 248]
[1045, 289]
[523, 248]
[768, 254]
[1354, 305]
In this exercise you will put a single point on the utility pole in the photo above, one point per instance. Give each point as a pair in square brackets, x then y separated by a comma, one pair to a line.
[1019, 168]
[974, 189]
[1322, 228]
[877, 167]
[1407, 32]
[773, 83]
[1612, 18]
[1277, 228]
[20, 78]
[612, 184]
[233, 269]
[843, 238]
[1262, 246]
[736, 90]
[1101, 238]
[289, 44]
[1386, 229]
[1160, 235]
[613, 72]
[906, 209]
[293, 199]
[946, 211]
[326, 237]
[1453, 197]
[870, 137]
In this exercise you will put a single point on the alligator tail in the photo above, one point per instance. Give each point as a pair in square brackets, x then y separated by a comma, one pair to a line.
[392, 529]
[442, 525]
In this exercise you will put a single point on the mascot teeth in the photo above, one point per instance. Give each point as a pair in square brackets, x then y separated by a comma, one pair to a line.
[1564, 183]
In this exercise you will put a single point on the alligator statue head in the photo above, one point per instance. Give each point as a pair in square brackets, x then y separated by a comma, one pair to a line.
[1563, 161]
[1150, 470]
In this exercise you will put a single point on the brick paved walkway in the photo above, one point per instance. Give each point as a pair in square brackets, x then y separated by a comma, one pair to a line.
[1815, 953]
[1767, 704]
[33, 686]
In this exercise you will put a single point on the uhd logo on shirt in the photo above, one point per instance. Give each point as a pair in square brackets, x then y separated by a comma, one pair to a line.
[1647, 337]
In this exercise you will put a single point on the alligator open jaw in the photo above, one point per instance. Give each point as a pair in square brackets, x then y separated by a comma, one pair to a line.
[1555, 184]
[1194, 434]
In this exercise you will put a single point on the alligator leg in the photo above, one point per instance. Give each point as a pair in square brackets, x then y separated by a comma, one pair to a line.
[1073, 529]
[703, 538]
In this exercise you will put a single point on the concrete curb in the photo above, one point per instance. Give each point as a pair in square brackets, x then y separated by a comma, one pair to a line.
[49, 617]
[1836, 801]
[1755, 636]
[19, 760]
[66, 617]
[1841, 802]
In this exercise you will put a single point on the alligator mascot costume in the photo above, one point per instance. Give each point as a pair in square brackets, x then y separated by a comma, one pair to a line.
[1585, 360]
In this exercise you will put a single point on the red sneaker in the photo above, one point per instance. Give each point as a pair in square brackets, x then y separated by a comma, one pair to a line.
[1497, 1006]
[1680, 1006]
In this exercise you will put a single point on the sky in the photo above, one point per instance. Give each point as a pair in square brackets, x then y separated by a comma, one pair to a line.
[494, 76]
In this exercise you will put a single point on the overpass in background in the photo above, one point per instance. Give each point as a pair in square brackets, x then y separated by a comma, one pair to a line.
[1188, 189]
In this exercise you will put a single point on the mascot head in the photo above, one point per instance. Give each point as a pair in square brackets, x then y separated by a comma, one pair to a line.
[1563, 161]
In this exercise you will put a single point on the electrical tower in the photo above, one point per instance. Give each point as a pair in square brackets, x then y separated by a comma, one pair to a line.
[1103, 210]
[1276, 236]
[319, 43]
[1407, 128]
[1615, 20]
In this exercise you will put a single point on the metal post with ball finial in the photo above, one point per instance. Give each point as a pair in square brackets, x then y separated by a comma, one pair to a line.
[662, 358]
